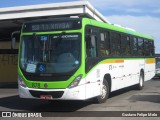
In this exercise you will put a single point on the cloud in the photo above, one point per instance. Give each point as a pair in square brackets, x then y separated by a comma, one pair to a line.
[156, 11]
[147, 7]
[135, 10]
[144, 24]
[126, 3]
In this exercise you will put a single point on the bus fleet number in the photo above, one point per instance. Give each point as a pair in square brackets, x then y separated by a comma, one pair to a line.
[35, 85]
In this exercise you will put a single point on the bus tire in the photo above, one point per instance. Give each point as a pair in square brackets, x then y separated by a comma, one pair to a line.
[104, 93]
[141, 82]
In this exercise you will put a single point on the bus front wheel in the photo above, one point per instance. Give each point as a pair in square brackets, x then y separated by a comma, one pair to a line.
[104, 92]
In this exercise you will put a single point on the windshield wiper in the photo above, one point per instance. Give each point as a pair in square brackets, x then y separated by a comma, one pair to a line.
[36, 44]
[33, 45]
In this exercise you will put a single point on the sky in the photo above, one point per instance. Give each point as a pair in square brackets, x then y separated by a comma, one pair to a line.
[141, 15]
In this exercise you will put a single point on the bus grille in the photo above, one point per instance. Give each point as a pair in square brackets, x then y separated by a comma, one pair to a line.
[54, 94]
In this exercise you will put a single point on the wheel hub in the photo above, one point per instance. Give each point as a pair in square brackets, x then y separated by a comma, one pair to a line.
[141, 81]
[103, 92]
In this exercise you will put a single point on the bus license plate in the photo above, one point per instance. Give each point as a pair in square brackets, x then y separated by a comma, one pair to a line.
[46, 97]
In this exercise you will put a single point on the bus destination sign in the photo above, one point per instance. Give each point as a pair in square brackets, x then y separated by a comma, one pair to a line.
[51, 26]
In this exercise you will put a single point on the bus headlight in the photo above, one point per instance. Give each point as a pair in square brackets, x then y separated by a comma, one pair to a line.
[21, 82]
[75, 81]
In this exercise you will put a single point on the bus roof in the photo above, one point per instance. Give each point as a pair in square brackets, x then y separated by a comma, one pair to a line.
[117, 28]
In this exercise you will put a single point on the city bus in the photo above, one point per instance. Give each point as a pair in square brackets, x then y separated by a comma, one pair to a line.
[81, 58]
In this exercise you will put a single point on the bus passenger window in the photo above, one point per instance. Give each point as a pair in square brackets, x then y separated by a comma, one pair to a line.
[135, 47]
[125, 45]
[91, 46]
[140, 47]
[151, 48]
[146, 48]
[116, 44]
[104, 44]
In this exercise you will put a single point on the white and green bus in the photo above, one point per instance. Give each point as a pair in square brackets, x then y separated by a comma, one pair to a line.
[81, 58]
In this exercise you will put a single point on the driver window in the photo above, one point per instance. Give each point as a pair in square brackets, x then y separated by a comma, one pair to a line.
[91, 46]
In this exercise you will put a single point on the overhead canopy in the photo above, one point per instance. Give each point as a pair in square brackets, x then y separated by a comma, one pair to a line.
[12, 18]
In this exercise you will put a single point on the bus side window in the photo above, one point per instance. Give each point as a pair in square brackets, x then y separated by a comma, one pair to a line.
[116, 44]
[94, 46]
[140, 47]
[146, 48]
[91, 46]
[125, 45]
[104, 44]
[135, 47]
[151, 48]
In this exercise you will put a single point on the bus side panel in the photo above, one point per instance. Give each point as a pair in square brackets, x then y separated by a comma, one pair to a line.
[93, 83]
[115, 71]
[131, 71]
[149, 69]
[123, 75]
[95, 77]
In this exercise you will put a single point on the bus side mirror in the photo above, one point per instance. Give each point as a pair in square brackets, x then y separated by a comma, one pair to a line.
[13, 43]
[15, 37]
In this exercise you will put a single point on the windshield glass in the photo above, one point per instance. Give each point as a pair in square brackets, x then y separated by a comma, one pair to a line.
[59, 53]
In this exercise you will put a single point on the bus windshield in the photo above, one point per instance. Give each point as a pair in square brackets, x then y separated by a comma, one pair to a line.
[58, 53]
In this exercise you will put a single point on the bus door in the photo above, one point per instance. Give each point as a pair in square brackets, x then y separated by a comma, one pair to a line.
[91, 40]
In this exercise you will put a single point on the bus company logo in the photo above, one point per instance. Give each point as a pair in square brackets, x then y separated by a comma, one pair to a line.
[45, 85]
[6, 114]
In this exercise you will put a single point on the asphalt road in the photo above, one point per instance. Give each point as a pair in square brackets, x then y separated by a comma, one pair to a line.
[128, 99]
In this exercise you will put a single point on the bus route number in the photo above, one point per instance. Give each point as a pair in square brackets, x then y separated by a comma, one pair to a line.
[35, 85]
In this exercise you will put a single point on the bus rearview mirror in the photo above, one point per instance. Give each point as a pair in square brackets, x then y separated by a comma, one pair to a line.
[15, 37]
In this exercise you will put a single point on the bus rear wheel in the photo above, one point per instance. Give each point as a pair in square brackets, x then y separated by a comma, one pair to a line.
[104, 93]
[141, 82]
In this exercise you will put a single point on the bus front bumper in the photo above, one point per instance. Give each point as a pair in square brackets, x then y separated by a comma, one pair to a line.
[76, 93]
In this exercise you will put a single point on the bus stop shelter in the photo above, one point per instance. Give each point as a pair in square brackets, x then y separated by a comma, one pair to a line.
[12, 18]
